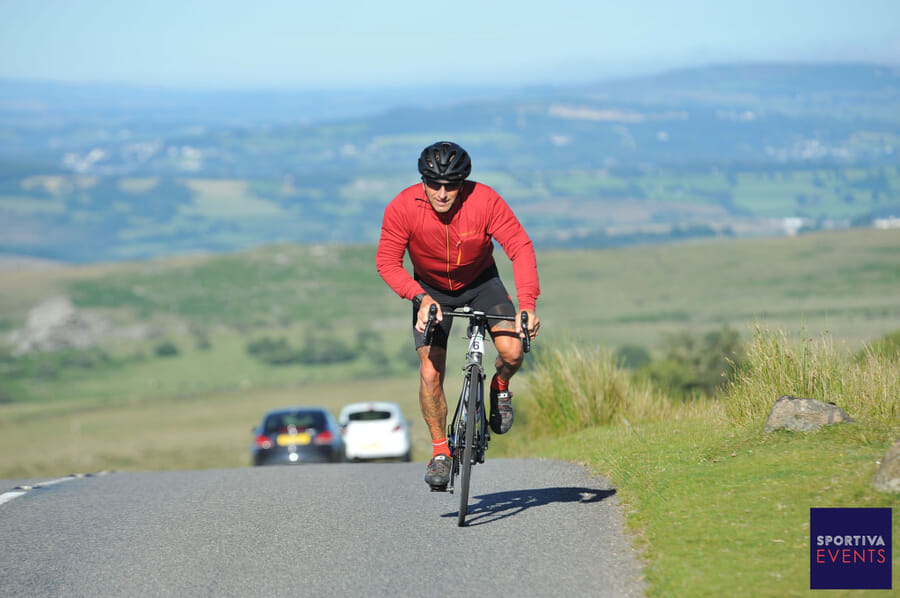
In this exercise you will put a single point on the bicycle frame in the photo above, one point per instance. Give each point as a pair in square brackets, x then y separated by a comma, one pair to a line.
[473, 386]
[467, 437]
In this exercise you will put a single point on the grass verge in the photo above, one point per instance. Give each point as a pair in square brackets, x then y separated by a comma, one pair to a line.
[718, 506]
[720, 512]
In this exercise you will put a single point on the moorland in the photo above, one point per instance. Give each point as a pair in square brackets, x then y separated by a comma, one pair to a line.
[707, 240]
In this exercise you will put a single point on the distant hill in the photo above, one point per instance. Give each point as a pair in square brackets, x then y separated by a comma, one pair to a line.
[749, 107]
[95, 173]
[758, 80]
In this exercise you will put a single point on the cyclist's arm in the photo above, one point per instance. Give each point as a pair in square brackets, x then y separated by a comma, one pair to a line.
[508, 231]
[389, 256]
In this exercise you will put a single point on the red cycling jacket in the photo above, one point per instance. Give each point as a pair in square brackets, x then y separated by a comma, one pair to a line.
[449, 251]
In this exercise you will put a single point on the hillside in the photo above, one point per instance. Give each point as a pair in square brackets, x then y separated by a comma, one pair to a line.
[94, 175]
[175, 326]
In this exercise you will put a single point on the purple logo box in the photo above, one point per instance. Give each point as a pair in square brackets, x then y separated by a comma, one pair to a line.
[850, 549]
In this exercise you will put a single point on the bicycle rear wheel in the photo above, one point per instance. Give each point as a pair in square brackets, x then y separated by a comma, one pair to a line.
[472, 389]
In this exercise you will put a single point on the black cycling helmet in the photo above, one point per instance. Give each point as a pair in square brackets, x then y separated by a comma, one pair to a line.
[445, 161]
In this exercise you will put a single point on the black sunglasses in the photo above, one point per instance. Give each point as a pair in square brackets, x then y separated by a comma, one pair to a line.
[436, 186]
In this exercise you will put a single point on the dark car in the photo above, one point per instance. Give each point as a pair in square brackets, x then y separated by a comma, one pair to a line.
[297, 435]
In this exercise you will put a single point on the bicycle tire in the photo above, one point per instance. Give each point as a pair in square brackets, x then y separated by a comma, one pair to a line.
[456, 433]
[468, 452]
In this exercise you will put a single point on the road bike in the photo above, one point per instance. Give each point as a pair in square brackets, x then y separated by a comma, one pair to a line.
[468, 437]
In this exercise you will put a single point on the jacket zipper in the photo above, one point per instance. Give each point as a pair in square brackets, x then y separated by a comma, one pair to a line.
[447, 233]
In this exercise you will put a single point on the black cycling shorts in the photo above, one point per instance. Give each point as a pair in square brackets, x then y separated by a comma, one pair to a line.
[486, 294]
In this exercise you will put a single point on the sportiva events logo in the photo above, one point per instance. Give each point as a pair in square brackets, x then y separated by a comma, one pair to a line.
[850, 549]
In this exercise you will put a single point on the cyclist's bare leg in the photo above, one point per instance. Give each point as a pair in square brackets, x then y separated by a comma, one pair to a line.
[431, 390]
[509, 350]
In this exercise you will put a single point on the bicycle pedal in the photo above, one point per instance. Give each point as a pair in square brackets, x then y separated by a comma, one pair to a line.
[440, 489]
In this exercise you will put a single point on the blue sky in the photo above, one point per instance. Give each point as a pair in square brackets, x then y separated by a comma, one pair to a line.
[344, 44]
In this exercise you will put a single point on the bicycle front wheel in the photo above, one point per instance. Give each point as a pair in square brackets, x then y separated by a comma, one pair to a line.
[472, 389]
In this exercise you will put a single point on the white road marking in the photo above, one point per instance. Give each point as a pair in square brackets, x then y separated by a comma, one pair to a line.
[8, 496]
[68, 478]
[20, 490]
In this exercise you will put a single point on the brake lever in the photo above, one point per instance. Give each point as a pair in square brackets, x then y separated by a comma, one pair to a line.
[429, 325]
[526, 340]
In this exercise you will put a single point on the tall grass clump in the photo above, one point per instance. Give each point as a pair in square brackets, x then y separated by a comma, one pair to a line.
[576, 388]
[777, 364]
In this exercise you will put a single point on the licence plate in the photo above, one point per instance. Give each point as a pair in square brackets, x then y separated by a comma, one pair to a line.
[293, 439]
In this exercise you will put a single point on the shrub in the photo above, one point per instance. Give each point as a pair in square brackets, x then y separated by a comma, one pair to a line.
[318, 349]
[274, 351]
[696, 366]
[888, 345]
[83, 358]
[633, 357]
[166, 349]
[775, 365]
[576, 388]
[264, 345]
[325, 348]
[370, 344]
[408, 357]
[369, 341]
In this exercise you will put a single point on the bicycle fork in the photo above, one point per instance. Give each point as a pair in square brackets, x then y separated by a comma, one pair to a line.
[456, 431]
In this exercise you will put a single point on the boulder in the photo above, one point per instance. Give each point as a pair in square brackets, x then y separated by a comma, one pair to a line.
[804, 415]
[56, 324]
[887, 478]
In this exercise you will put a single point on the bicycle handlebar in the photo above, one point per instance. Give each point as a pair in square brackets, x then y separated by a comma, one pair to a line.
[432, 315]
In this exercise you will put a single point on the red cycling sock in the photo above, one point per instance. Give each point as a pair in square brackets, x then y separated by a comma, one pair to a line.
[440, 447]
[498, 384]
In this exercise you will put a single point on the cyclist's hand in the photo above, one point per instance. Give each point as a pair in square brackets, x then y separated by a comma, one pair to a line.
[422, 316]
[534, 323]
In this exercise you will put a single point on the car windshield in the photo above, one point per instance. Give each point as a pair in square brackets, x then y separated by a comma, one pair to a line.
[299, 419]
[368, 416]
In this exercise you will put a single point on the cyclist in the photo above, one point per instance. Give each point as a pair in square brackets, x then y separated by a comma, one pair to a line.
[448, 224]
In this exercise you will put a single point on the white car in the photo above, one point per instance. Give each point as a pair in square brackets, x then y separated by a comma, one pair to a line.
[375, 430]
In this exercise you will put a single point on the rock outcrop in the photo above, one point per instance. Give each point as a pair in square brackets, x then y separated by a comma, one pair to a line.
[804, 415]
[56, 324]
[887, 477]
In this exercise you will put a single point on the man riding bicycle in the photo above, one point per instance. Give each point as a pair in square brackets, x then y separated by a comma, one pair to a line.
[448, 225]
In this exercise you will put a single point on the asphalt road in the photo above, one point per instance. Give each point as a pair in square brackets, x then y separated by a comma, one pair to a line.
[536, 528]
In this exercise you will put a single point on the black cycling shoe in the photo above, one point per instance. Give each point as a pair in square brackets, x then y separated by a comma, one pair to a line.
[437, 474]
[501, 411]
